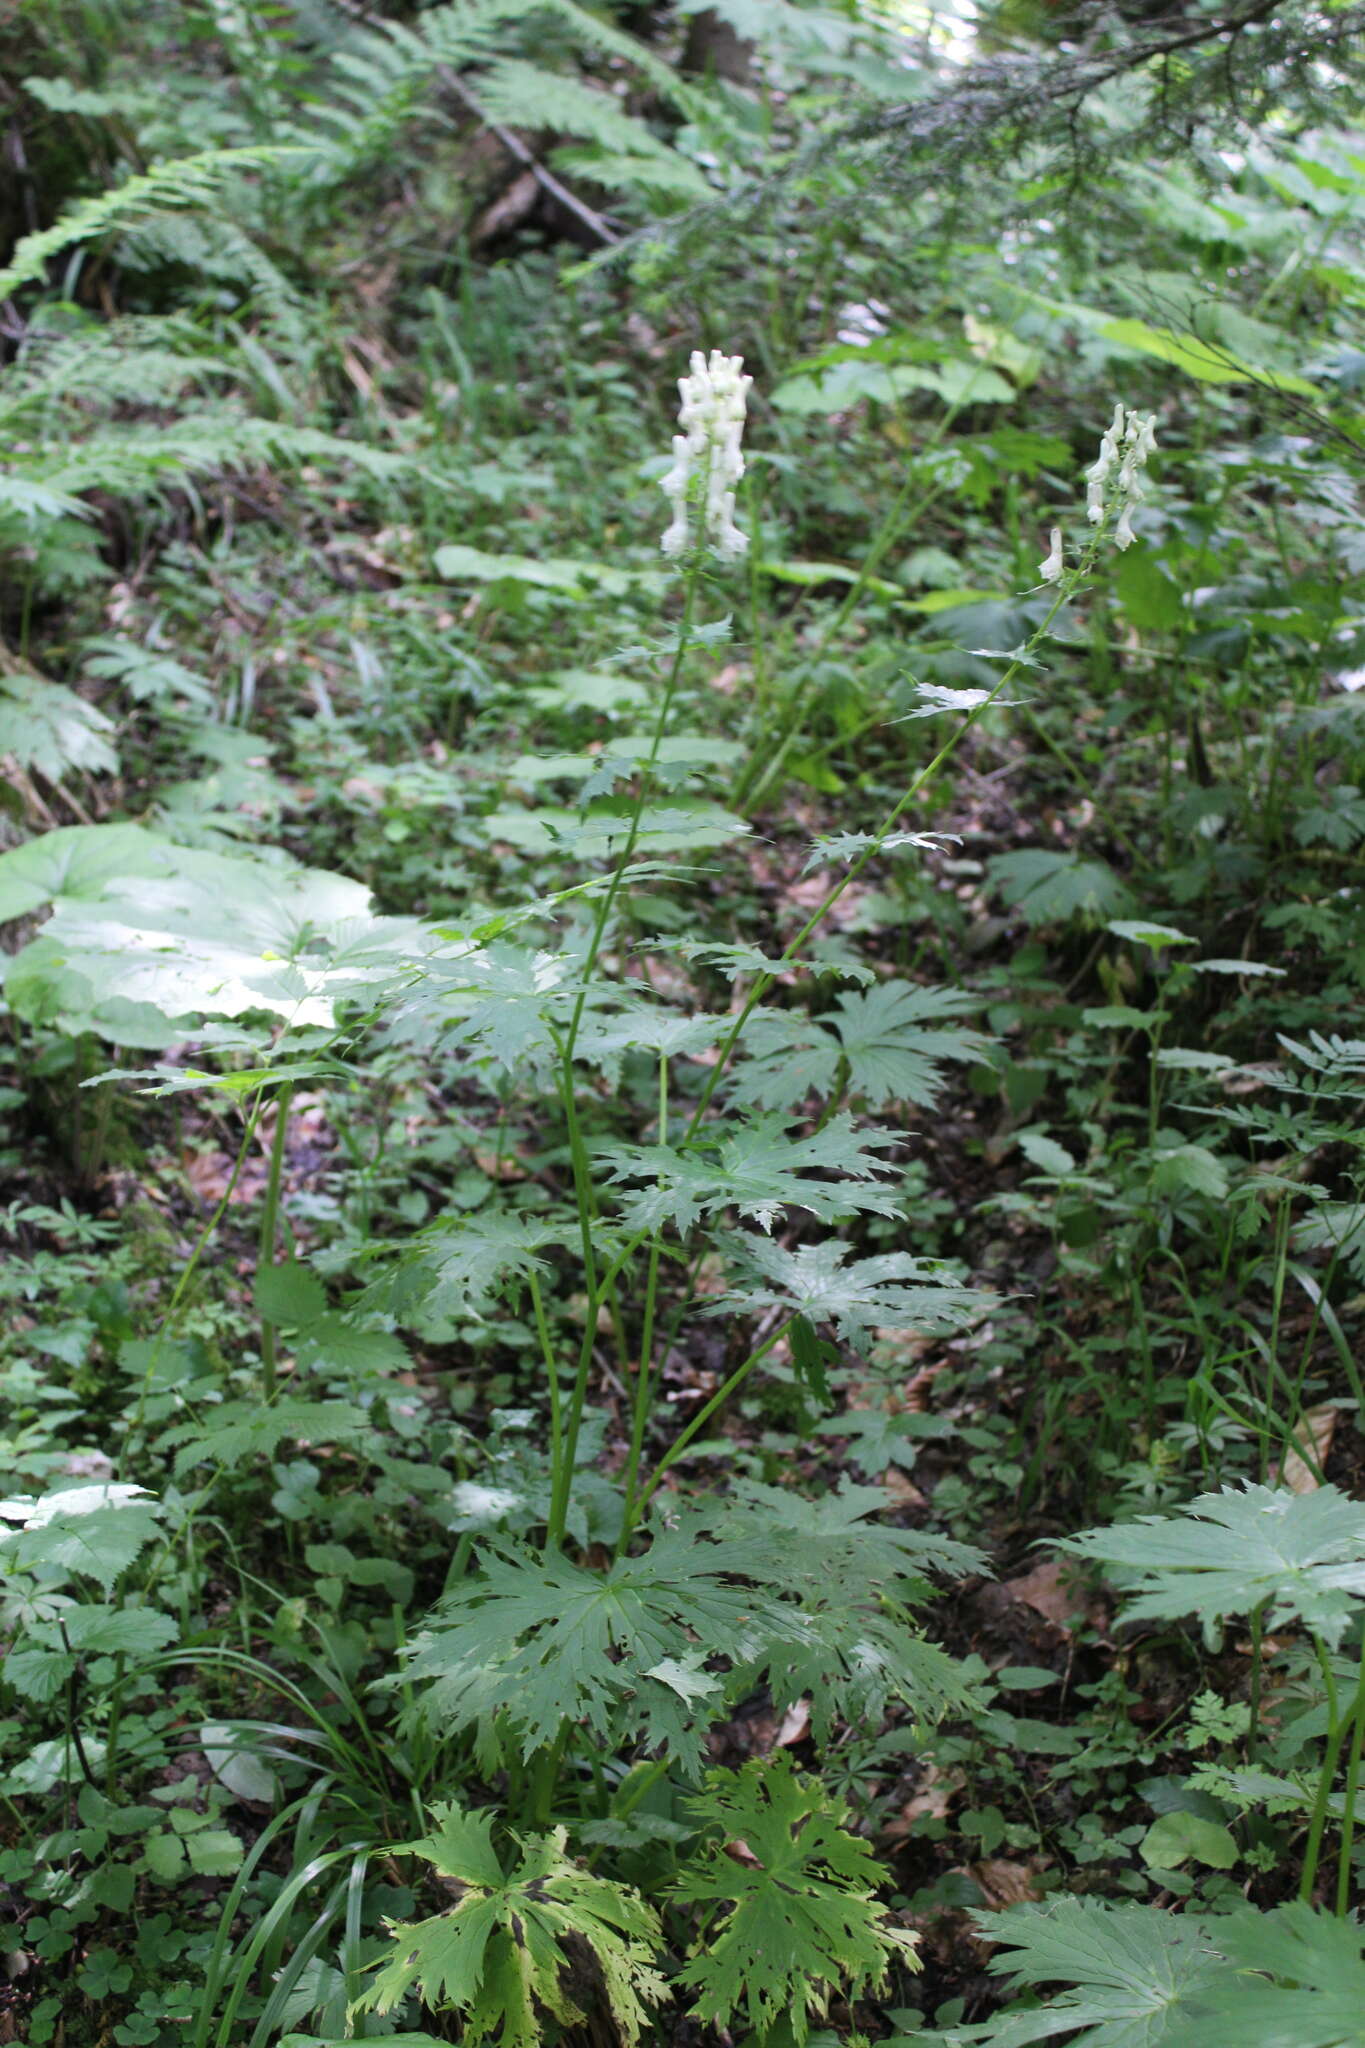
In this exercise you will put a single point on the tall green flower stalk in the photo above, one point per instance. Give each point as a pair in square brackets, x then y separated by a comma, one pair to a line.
[700, 487]
[1113, 490]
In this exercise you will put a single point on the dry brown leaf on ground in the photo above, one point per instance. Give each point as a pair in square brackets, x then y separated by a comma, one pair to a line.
[499, 1166]
[1043, 1591]
[1004, 1883]
[726, 680]
[1317, 1427]
[937, 1791]
[902, 1491]
[794, 1725]
[920, 1385]
[210, 1173]
[763, 1733]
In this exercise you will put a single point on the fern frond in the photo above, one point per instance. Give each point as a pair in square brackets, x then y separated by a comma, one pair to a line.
[671, 176]
[377, 81]
[382, 78]
[215, 247]
[522, 95]
[593, 32]
[127, 362]
[136, 461]
[31, 499]
[185, 182]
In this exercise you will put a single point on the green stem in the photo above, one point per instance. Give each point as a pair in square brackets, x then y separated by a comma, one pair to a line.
[547, 1352]
[178, 1293]
[562, 1481]
[1348, 1818]
[648, 1776]
[1257, 1632]
[545, 1777]
[1273, 1341]
[644, 1371]
[269, 1226]
[702, 1417]
[1336, 1728]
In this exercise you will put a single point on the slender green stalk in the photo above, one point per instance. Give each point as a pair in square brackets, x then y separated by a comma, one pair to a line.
[545, 1776]
[644, 1365]
[270, 1224]
[764, 981]
[1273, 1343]
[562, 1478]
[1336, 1729]
[608, 898]
[703, 1416]
[547, 1352]
[1256, 1630]
[70, 1704]
[187, 1274]
[1348, 1818]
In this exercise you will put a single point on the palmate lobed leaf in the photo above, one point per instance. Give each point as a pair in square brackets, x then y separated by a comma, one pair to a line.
[1051, 888]
[1232, 1552]
[807, 1597]
[756, 1168]
[464, 1266]
[1319, 2004]
[500, 1002]
[1140, 1978]
[853, 1576]
[44, 725]
[831, 1544]
[142, 927]
[540, 1640]
[894, 1038]
[499, 1954]
[824, 1283]
[1133, 1974]
[802, 1916]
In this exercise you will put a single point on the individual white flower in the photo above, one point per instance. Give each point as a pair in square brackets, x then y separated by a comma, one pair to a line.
[1051, 569]
[707, 463]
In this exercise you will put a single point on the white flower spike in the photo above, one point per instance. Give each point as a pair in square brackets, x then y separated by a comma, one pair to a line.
[1051, 569]
[707, 463]
[1114, 479]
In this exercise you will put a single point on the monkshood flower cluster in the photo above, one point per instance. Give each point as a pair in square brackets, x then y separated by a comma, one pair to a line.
[1113, 483]
[707, 463]
[1114, 480]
